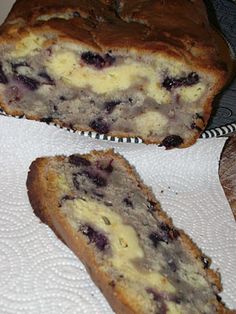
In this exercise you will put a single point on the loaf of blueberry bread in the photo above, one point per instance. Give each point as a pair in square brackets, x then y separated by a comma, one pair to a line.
[147, 68]
[100, 208]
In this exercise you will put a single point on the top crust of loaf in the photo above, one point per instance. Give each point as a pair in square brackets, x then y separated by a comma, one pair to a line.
[178, 29]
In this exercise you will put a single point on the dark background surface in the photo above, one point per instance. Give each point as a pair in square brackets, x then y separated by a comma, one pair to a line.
[223, 14]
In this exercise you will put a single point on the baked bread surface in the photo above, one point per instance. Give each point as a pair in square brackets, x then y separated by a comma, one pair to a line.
[100, 208]
[124, 68]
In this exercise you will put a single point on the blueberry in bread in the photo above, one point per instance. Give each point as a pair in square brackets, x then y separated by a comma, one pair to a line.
[100, 208]
[127, 68]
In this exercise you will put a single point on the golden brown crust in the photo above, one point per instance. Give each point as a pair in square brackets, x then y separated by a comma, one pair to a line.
[42, 190]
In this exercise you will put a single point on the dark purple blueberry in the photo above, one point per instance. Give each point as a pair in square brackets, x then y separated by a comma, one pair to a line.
[49, 51]
[15, 66]
[62, 98]
[155, 237]
[128, 202]
[109, 106]
[172, 233]
[47, 78]
[164, 234]
[99, 125]
[28, 82]
[98, 194]
[205, 261]
[98, 238]
[172, 141]
[109, 60]
[78, 160]
[172, 265]
[93, 59]
[76, 182]
[195, 126]
[96, 178]
[3, 77]
[109, 168]
[97, 60]
[192, 78]
[47, 120]
[99, 181]
[168, 83]
[173, 82]
[156, 296]
[176, 299]
[76, 14]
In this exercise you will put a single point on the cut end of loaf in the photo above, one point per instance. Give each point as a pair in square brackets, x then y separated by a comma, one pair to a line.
[153, 97]
[117, 72]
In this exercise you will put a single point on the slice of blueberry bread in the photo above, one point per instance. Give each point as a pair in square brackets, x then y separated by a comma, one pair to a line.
[124, 68]
[100, 208]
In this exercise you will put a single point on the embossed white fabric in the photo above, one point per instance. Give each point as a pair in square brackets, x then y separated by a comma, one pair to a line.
[39, 274]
